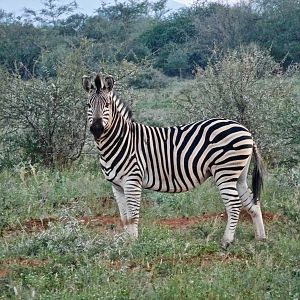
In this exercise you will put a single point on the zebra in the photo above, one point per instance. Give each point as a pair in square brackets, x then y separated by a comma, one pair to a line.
[175, 159]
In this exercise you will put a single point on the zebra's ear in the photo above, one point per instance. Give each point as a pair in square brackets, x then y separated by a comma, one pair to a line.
[109, 83]
[86, 83]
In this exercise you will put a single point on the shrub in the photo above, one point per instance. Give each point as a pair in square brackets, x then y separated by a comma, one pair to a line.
[149, 78]
[43, 119]
[248, 86]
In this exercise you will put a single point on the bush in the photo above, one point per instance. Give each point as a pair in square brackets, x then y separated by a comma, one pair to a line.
[149, 78]
[248, 86]
[43, 119]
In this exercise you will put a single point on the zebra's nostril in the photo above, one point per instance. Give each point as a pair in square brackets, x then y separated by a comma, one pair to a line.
[97, 128]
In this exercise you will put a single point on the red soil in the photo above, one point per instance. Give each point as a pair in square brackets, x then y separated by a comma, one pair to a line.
[38, 224]
[106, 222]
[202, 261]
[184, 222]
[4, 273]
[100, 221]
[20, 261]
[34, 225]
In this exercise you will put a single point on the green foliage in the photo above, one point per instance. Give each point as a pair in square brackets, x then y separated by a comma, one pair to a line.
[277, 27]
[176, 61]
[125, 12]
[164, 39]
[249, 92]
[177, 29]
[18, 45]
[140, 29]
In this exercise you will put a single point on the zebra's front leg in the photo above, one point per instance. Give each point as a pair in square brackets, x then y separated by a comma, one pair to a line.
[128, 200]
[121, 201]
[133, 191]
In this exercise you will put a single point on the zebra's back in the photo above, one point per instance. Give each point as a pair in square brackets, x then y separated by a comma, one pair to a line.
[180, 158]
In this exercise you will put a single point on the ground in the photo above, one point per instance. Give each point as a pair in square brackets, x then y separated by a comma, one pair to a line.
[62, 240]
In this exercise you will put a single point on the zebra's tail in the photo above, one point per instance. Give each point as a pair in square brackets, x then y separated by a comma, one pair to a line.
[258, 174]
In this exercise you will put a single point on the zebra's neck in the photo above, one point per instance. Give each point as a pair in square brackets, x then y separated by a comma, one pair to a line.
[115, 144]
[122, 106]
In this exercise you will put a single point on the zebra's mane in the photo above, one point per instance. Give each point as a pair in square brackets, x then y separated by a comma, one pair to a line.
[122, 106]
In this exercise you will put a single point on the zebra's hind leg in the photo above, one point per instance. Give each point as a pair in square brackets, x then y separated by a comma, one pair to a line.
[233, 205]
[251, 206]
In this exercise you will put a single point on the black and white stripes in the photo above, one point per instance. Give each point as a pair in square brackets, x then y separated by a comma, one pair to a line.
[173, 159]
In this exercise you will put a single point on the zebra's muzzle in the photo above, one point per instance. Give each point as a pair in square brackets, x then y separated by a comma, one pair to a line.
[97, 128]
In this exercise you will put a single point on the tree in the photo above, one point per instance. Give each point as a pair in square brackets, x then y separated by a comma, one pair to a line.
[176, 29]
[278, 27]
[18, 44]
[6, 18]
[50, 14]
[177, 62]
[168, 37]
[72, 25]
[159, 9]
[126, 12]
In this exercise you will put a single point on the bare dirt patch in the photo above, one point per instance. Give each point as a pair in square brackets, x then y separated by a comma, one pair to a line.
[99, 221]
[32, 225]
[4, 273]
[105, 222]
[197, 260]
[114, 222]
[107, 202]
[21, 261]
[223, 259]
[36, 225]
[175, 223]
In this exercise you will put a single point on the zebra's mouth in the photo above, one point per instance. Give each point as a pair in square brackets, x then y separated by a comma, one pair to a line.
[96, 133]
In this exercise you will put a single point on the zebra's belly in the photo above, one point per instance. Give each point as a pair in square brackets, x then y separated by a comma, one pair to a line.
[172, 185]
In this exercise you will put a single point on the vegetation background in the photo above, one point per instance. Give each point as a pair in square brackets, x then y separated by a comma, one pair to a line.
[59, 231]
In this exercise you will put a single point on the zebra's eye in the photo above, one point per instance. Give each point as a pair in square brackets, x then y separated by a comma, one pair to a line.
[107, 105]
[88, 105]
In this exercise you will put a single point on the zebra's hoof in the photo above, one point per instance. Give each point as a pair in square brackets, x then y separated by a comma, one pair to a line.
[226, 242]
[225, 245]
[261, 238]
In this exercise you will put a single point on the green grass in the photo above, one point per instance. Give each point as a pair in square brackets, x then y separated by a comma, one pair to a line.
[157, 107]
[70, 260]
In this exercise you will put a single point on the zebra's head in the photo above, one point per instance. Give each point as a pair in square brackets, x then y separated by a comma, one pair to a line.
[99, 102]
